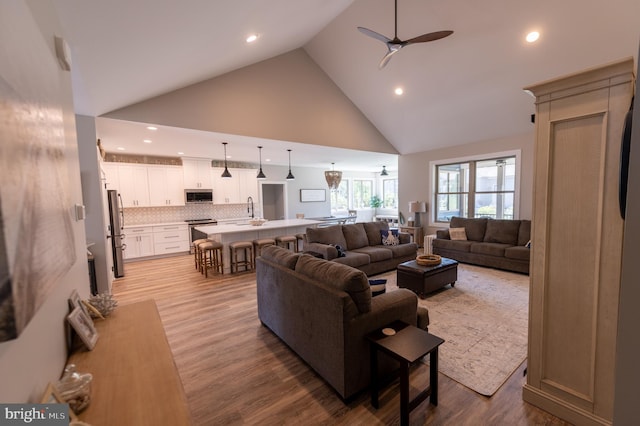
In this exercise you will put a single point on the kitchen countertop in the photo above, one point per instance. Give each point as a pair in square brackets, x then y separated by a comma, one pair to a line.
[246, 227]
[142, 225]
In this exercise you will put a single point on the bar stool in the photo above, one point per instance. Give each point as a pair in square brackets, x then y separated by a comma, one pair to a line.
[212, 257]
[300, 242]
[287, 241]
[247, 248]
[259, 244]
[196, 252]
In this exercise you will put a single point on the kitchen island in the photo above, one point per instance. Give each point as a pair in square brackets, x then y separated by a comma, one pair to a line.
[243, 231]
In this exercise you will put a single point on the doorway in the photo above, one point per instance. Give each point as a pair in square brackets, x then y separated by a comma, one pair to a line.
[274, 201]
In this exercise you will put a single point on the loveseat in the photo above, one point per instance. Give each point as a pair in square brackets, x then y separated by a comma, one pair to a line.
[323, 310]
[363, 245]
[497, 243]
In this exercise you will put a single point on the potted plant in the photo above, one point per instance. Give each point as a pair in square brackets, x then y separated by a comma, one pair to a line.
[375, 202]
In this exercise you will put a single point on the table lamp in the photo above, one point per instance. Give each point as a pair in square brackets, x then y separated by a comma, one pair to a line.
[417, 207]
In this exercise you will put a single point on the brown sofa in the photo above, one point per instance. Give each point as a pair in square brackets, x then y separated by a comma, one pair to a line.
[496, 243]
[363, 245]
[323, 310]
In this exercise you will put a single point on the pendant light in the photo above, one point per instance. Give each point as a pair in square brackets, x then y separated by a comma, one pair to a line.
[384, 171]
[333, 178]
[226, 173]
[261, 176]
[290, 175]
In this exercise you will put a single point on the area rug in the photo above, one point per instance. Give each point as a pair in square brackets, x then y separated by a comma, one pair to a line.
[483, 320]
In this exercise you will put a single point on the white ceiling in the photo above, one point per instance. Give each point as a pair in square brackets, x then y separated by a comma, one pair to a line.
[458, 90]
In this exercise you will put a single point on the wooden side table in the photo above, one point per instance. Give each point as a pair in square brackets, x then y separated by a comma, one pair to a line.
[407, 345]
[415, 231]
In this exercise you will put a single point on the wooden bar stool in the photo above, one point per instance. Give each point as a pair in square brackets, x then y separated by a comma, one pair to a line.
[247, 261]
[300, 242]
[288, 241]
[261, 243]
[196, 252]
[212, 257]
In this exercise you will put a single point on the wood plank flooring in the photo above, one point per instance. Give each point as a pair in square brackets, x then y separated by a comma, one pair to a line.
[235, 371]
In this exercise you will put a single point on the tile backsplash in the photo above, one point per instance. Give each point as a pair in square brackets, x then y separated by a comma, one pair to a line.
[149, 215]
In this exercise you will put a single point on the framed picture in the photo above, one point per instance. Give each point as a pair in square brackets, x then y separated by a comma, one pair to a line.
[313, 196]
[52, 396]
[83, 325]
[75, 301]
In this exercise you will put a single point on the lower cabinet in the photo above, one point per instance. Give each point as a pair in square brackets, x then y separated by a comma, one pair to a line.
[170, 239]
[147, 241]
[139, 242]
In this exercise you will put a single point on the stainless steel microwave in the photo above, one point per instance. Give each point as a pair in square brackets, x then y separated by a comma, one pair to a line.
[198, 195]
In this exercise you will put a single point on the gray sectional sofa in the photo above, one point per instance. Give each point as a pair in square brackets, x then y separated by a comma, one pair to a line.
[497, 243]
[363, 245]
[323, 310]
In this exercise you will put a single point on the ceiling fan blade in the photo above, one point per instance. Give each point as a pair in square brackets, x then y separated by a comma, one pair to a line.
[377, 36]
[429, 37]
[386, 58]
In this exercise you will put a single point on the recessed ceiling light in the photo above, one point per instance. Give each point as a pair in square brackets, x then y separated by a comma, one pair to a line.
[152, 128]
[180, 153]
[252, 38]
[120, 148]
[533, 36]
[147, 140]
[267, 160]
[398, 91]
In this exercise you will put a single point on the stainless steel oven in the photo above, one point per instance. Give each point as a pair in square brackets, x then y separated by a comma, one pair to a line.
[198, 222]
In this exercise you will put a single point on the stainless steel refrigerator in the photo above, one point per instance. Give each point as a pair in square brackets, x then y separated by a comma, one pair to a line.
[116, 235]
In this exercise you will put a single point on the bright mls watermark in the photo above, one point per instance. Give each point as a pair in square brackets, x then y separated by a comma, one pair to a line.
[34, 414]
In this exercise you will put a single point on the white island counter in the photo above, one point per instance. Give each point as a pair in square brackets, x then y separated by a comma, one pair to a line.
[245, 232]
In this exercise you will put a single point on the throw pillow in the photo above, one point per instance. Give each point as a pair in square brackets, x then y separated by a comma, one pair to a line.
[528, 245]
[458, 234]
[341, 251]
[378, 286]
[390, 237]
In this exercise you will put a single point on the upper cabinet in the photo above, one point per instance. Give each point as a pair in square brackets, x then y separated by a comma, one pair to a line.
[166, 187]
[133, 185]
[197, 173]
[234, 190]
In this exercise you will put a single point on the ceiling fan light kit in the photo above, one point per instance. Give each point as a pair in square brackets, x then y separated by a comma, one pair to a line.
[394, 45]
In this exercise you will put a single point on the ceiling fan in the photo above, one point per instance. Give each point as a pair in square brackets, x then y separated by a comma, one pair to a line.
[394, 45]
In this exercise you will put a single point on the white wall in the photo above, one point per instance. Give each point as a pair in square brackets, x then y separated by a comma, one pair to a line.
[27, 31]
[415, 180]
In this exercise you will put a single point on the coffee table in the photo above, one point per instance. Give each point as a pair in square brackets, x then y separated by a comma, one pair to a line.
[425, 279]
[407, 345]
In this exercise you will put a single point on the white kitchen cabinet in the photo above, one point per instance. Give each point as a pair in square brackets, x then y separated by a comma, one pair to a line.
[196, 173]
[111, 179]
[166, 186]
[248, 184]
[225, 191]
[170, 239]
[139, 242]
[133, 185]
[237, 189]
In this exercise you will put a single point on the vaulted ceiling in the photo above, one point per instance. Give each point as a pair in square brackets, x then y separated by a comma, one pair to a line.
[462, 89]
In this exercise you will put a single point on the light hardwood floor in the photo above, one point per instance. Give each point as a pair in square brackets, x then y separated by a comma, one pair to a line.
[235, 371]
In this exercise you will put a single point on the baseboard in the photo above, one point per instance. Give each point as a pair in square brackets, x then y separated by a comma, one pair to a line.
[560, 408]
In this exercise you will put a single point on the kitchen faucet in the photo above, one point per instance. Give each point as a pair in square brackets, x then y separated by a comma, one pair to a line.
[250, 206]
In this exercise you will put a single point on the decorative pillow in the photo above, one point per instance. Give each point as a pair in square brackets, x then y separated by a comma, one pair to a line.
[528, 245]
[390, 237]
[458, 234]
[341, 251]
[378, 286]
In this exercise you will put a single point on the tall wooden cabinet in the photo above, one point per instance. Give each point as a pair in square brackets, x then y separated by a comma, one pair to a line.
[576, 242]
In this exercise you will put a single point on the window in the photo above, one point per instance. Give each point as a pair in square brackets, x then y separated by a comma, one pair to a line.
[482, 188]
[362, 192]
[390, 193]
[340, 197]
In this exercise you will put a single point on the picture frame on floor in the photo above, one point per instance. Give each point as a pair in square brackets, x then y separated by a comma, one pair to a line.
[83, 326]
